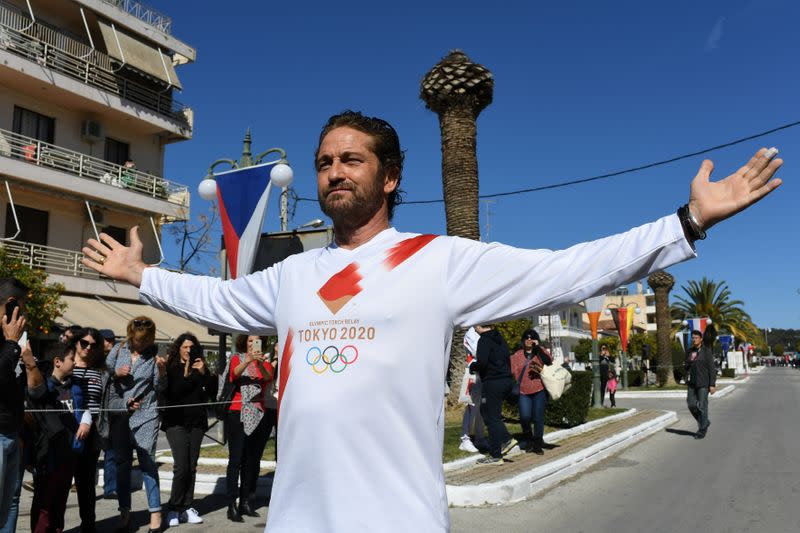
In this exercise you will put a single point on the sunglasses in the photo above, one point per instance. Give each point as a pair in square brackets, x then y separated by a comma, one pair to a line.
[143, 323]
[86, 344]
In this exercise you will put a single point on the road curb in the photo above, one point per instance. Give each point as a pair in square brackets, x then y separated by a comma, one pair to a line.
[554, 436]
[541, 478]
[673, 393]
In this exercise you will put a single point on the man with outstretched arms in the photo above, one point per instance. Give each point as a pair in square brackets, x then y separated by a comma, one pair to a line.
[361, 449]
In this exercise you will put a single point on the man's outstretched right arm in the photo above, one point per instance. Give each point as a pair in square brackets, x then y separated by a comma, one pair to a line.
[245, 304]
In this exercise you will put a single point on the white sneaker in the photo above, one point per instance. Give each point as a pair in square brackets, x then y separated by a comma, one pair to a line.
[173, 518]
[466, 445]
[192, 516]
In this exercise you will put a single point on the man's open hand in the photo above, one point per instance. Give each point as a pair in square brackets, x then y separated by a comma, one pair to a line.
[115, 260]
[712, 202]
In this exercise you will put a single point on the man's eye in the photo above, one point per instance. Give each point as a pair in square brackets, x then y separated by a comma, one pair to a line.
[323, 165]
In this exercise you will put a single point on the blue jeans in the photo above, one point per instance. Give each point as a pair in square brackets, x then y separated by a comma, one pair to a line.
[531, 407]
[10, 482]
[109, 472]
[123, 443]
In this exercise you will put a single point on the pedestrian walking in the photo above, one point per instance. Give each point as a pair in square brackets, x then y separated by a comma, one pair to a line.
[701, 377]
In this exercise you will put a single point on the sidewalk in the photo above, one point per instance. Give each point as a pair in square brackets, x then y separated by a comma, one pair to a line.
[523, 475]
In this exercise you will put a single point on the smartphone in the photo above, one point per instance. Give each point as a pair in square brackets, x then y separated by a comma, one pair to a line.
[10, 306]
[257, 346]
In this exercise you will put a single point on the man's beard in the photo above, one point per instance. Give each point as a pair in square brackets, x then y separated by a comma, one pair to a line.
[357, 206]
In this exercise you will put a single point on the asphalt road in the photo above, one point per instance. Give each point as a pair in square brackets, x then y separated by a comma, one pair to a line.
[742, 478]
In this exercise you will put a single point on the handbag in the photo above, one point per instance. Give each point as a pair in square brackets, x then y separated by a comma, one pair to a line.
[556, 380]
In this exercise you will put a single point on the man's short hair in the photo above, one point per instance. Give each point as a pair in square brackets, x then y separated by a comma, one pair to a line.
[386, 145]
[58, 350]
[697, 332]
[13, 288]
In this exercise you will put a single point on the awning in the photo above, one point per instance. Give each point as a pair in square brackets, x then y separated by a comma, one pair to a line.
[138, 54]
[114, 315]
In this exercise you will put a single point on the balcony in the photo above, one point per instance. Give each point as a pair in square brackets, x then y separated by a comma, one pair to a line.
[84, 64]
[49, 259]
[43, 154]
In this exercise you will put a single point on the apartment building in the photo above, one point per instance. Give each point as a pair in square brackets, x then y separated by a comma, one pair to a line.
[88, 107]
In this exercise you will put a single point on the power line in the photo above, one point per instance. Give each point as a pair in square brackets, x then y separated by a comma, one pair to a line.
[608, 175]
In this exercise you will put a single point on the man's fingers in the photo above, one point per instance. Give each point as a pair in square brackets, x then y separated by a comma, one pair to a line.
[758, 180]
[97, 245]
[94, 255]
[94, 265]
[706, 168]
[135, 240]
[760, 162]
[764, 190]
[110, 241]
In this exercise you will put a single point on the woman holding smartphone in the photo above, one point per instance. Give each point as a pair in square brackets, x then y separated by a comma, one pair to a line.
[188, 383]
[248, 423]
[139, 375]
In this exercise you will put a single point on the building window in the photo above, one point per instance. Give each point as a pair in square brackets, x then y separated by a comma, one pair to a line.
[32, 124]
[119, 234]
[32, 224]
[116, 151]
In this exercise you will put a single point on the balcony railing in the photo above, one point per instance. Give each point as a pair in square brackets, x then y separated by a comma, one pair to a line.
[144, 13]
[44, 154]
[92, 68]
[49, 259]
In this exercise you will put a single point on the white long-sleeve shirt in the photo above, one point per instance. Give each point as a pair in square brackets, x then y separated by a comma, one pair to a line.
[366, 338]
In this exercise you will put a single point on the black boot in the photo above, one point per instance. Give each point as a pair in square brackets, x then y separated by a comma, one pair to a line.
[247, 508]
[536, 446]
[233, 513]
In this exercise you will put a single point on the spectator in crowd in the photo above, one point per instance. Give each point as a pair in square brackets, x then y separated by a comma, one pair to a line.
[248, 424]
[109, 462]
[139, 376]
[88, 375]
[128, 177]
[526, 365]
[605, 367]
[494, 368]
[611, 385]
[17, 371]
[188, 383]
[55, 440]
[68, 333]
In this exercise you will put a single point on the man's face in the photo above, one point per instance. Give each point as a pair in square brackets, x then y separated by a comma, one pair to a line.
[351, 184]
[66, 365]
[107, 345]
[604, 351]
[696, 340]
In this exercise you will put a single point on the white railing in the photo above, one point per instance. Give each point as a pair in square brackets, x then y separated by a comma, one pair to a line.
[44, 154]
[94, 68]
[144, 13]
[49, 259]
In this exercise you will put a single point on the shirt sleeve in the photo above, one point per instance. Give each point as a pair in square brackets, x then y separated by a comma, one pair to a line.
[492, 282]
[242, 305]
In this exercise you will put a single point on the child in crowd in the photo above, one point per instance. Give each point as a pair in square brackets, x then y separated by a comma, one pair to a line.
[611, 387]
[54, 442]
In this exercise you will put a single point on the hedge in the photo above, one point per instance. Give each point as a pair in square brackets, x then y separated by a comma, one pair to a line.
[728, 372]
[573, 406]
[635, 378]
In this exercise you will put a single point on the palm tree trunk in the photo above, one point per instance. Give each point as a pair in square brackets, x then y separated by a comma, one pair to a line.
[661, 282]
[460, 171]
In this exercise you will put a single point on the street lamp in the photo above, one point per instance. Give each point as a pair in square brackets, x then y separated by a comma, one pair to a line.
[623, 320]
[766, 339]
[594, 306]
[281, 175]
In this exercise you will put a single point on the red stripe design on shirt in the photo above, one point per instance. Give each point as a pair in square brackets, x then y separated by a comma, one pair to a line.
[342, 286]
[285, 367]
[405, 249]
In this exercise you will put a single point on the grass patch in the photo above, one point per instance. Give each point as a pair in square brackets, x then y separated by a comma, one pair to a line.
[452, 436]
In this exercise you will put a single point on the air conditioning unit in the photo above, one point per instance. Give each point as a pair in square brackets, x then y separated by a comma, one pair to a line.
[91, 131]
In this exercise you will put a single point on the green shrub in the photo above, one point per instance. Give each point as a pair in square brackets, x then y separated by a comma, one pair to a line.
[728, 372]
[678, 359]
[635, 378]
[572, 408]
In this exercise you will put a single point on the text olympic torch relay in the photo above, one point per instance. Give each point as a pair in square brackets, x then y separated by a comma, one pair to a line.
[361, 448]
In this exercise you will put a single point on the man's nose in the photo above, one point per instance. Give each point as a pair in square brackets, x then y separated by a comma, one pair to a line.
[337, 172]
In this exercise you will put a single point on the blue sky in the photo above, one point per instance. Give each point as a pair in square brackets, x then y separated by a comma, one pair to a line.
[581, 89]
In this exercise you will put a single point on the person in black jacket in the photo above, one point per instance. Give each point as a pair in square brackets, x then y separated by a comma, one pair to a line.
[702, 377]
[17, 370]
[188, 382]
[493, 365]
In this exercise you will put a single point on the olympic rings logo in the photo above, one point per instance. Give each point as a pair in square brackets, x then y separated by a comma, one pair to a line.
[331, 358]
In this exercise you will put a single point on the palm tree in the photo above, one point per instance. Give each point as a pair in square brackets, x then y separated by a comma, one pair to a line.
[457, 90]
[708, 298]
[662, 282]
